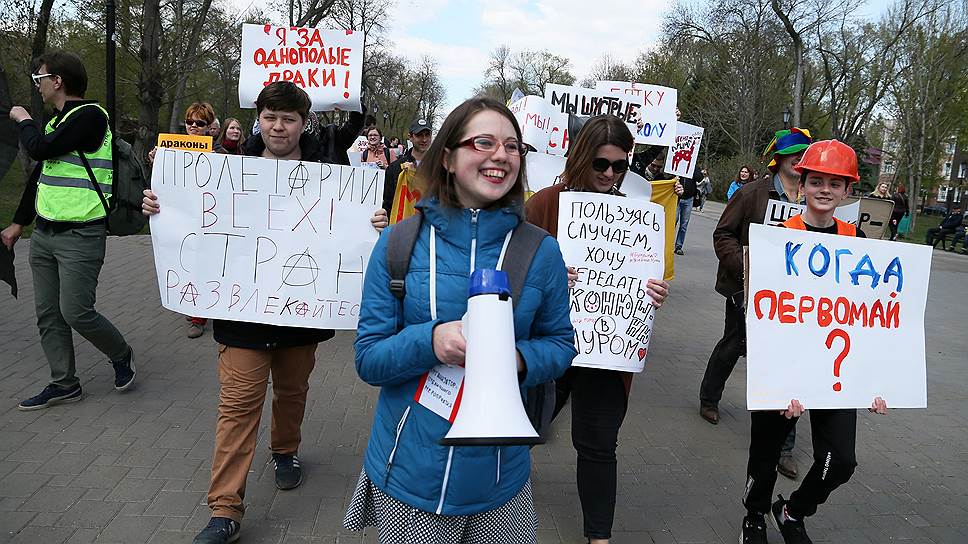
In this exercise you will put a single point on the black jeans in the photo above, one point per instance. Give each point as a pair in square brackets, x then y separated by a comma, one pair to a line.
[834, 460]
[723, 359]
[598, 406]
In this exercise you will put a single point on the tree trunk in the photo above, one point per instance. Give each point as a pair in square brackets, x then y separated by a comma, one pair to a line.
[150, 86]
[36, 50]
[798, 57]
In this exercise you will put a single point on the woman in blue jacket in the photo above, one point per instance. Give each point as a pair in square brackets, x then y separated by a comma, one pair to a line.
[412, 488]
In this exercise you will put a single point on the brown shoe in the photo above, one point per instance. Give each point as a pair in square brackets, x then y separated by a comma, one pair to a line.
[787, 466]
[195, 330]
[710, 412]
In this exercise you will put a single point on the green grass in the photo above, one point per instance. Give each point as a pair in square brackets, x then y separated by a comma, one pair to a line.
[11, 187]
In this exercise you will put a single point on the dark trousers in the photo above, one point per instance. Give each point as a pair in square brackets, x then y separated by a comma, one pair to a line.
[599, 402]
[722, 360]
[939, 232]
[834, 437]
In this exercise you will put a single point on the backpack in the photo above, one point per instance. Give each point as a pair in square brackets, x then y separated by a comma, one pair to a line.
[123, 214]
[539, 402]
[386, 153]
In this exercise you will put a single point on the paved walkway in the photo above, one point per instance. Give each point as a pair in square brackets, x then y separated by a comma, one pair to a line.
[134, 467]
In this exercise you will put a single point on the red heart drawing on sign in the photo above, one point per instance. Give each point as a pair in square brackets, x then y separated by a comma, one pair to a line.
[642, 352]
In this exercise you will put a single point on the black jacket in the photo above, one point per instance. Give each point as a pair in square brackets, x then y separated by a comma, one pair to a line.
[392, 175]
[952, 221]
[241, 334]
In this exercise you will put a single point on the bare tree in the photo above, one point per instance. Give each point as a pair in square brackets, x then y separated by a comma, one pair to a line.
[150, 83]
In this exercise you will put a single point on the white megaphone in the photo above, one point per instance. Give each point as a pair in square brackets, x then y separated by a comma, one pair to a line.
[491, 411]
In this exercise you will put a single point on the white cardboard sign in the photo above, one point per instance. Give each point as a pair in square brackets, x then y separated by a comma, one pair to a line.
[778, 211]
[658, 111]
[682, 156]
[834, 321]
[327, 64]
[586, 102]
[542, 126]
[262, 240]
[616, 244]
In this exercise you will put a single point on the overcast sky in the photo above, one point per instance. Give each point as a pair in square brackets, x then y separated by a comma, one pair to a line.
[461, 33]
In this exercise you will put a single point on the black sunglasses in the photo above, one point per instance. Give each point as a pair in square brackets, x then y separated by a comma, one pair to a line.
[619, 167]
[200, 123]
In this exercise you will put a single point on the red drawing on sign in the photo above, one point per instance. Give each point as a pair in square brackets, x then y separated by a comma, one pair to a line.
[682, 155]
[839, 361]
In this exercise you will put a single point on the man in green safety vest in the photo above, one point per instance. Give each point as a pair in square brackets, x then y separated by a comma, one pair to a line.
[67, 247]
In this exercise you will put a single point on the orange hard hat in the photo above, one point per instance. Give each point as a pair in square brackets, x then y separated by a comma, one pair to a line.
[830, 157]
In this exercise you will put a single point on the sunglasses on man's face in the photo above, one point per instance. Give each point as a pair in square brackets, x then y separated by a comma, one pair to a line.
[200, 123]
[619, 167]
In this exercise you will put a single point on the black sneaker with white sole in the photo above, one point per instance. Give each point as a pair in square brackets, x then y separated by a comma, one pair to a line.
[124, 371]
[793, 531]
[288, 471]
[754, 530]
[218, 531]
[50, 396]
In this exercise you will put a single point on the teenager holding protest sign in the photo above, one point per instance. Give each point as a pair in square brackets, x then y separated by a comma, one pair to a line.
[411, 487]
[249, 353]
[827, 170]
[748, 205]
[597, 162]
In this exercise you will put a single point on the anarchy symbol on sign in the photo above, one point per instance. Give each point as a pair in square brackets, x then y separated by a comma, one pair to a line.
[189, 293]
[302, 309]
[298, 178]
[300, 270]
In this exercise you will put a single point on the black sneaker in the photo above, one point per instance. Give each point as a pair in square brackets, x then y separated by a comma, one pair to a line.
[124, 371]
[793, 531]
[218, 531]
[754, 530]
[288, 473]
[50, 396]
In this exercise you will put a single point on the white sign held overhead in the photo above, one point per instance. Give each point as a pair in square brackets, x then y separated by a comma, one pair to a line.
[834, 321]
[263, 240]
[657, 113]
[542, 127]
[683, 155]
[778, 211]
[616, 244]
[327, 64]
[585, 102]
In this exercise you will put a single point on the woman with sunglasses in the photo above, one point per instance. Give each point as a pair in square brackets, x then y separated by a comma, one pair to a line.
[413, 489]
[597, 163]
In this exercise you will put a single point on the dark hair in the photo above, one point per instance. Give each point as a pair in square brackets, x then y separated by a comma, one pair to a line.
[598, 131]
[436, 180]
[750, 171]
[69, 67]
[283, 96]
[371, 129]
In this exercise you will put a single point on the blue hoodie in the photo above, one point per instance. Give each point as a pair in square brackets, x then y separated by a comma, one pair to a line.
[394, 348]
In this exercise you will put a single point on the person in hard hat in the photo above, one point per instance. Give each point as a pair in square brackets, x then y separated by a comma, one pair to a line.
[748, 205]
[826, 171]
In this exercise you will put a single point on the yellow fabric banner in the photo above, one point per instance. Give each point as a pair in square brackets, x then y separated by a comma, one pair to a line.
[405, 196]
[664, 194]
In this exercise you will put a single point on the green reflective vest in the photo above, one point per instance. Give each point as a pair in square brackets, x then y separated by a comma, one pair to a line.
[64, 190]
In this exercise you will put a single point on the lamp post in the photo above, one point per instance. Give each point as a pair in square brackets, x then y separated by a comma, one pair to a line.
[786, 117]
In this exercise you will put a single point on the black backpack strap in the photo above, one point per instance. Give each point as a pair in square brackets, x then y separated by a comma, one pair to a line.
[386, 153]
[520, 252]
[402, 238]
[100, 193]
[366, 153]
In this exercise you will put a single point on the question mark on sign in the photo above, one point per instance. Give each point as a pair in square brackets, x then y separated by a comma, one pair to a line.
[839, 333]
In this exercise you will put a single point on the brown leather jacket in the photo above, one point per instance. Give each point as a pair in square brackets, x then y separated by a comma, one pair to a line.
[748, 205]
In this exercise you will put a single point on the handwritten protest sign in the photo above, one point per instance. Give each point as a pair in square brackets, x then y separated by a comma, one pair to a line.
[834, 321]
[327, 64]
[778, 211]
[658, 112]
[875, 213]
[261, 240]
[682, 156]
[616, 244]
[538, 119]
[588, 102]
[185, 141]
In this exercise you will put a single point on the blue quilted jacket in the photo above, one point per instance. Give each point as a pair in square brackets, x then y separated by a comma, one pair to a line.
[394, 349]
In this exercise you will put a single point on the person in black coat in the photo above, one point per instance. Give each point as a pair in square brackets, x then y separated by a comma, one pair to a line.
[951, 223]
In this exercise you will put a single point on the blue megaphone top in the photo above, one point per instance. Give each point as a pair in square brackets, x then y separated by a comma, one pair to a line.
[487, 281]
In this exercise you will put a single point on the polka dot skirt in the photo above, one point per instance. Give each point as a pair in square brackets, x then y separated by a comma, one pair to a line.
[399, 523]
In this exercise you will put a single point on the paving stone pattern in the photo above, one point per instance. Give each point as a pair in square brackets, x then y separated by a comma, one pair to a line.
[133, 467]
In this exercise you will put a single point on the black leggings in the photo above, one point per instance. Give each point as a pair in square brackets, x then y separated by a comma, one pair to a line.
[598, 405]
[834, 460]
